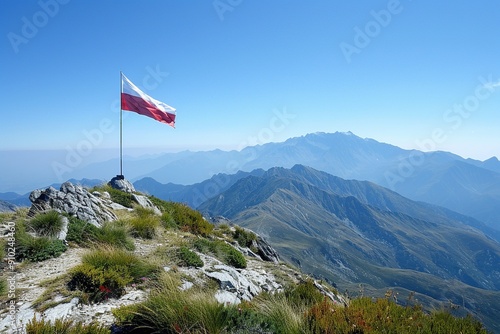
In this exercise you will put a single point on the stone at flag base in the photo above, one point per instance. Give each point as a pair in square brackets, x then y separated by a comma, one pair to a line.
[119, 182]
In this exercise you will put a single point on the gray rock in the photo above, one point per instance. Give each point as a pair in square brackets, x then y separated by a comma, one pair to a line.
[14, 323]
[266, 252]
[64, 229]
[226, 297]
[74, 200]
[118, 182]
[61, 311]
[242, 284]
[226, 281]
[186, 285]
[146, 203]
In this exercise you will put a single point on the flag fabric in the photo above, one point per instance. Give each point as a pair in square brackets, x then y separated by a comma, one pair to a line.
[133, 99]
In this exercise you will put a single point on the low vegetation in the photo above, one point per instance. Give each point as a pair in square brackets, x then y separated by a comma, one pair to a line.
[47, 224]
[60, 326]
[32, 248]
[114, 234]
[299, 309]
[110, 266]
[117, 196]
[181, 216]
[105, 272]
[144, 223]
[222, 251]
[188, 258]
[244, 237]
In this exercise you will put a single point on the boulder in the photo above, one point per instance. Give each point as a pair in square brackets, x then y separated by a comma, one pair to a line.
[266, 252]
[226, 297]
[119, 182]
[74, 200]
[61, 311]
[145, 203]
[242, 284]
[64, 229]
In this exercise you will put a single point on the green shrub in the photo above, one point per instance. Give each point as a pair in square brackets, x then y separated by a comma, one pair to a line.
[305, 293]
[36, 249]
[170, 310]
[115, 234]
[221, 250]
[125, 314]
[47, 224]
[60, 326]
[243, 237]
[3, 286]
[282, 316]
[383, 315]
[81, 232]
[112, 233]
[3, 245]
[168, 221]
[117, 196]
[104, 273]
[144, 223]
[189, 258]
[183, 217]
[444, 322]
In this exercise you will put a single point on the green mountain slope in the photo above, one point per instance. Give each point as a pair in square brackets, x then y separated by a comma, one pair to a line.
[353, 233]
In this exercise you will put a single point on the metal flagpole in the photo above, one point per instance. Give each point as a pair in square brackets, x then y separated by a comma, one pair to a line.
[121, 136]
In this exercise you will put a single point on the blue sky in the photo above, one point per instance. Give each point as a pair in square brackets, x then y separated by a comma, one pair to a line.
[416, 74]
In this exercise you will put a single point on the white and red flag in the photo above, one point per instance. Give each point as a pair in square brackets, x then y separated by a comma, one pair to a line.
[133, 99]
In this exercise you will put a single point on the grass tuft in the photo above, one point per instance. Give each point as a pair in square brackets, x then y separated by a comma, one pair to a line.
[42, 326]
[117, 196]
[47, 224]
[221, 250]
[36, 249]
[114, 234]
[182, 217]
[145, 223]
[188, 258]
[105, 272]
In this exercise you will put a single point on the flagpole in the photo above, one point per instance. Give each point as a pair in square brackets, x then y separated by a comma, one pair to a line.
[121, 135]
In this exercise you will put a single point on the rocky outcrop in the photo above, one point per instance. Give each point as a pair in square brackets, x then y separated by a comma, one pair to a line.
[74, 200]
[145, 203]
[236, 285]
[266, 252]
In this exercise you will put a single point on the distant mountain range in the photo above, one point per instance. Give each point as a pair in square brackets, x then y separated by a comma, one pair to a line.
[467, 186]
[356, 232]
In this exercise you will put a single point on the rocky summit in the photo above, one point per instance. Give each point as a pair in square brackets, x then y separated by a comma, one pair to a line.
[74, 200]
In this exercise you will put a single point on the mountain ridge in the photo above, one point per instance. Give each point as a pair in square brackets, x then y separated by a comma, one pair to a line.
[344, 240]
[351, 157]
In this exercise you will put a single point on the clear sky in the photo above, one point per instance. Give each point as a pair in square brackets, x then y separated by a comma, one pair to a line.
[244, 72]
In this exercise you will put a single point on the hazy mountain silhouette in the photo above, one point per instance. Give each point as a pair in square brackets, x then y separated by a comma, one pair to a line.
[466, 186]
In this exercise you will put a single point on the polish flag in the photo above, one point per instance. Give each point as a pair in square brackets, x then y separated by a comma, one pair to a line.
[133, 99]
